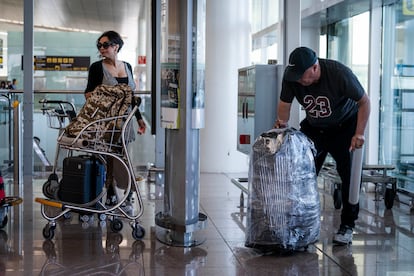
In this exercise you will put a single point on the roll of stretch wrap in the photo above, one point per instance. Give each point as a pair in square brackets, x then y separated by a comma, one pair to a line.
[356, 170]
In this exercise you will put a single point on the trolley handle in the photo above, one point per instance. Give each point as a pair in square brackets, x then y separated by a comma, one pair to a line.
[65, 108]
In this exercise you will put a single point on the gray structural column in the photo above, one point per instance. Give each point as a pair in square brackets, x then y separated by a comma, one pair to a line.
[374, 83]
[28, 96]
[28, 106]
[156, 86]
[292, 39]
[181, 218]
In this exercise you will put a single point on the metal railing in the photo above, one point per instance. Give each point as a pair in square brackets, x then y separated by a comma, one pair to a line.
[13, 143]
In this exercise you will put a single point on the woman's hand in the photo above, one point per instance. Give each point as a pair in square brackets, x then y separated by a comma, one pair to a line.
[141, 126]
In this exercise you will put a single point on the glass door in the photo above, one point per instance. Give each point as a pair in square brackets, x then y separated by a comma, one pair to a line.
[397, 93]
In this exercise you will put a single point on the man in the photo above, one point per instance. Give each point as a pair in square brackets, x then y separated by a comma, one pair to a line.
[13, 84]
[337, 110]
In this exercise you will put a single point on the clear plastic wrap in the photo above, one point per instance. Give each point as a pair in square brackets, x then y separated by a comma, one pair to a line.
[283, 204]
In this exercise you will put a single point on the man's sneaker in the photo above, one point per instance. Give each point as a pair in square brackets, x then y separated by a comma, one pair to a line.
[343, 236]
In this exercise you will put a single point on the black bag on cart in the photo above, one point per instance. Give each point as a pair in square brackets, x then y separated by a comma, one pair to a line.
[83, 178]
[283, 210]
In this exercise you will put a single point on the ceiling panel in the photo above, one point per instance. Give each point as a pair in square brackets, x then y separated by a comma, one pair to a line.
[89, 15]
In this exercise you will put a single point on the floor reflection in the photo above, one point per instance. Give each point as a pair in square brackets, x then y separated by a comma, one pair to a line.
[383, 241]
[287, 264]
[7, 252]
[179, 260]
[81, 250]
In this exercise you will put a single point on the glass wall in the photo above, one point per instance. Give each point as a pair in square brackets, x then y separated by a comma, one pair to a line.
[6, 75]
[265, 30]
[61, 34]
[348, 42]
[346, 38]
[397, 92]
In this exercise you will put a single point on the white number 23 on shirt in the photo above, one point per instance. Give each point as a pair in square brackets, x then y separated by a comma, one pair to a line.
[318, 107]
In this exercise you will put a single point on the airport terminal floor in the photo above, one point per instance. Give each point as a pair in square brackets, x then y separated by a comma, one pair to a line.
[383, 241]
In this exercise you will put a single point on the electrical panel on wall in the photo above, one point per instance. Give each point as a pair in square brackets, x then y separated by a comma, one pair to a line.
[258, 93]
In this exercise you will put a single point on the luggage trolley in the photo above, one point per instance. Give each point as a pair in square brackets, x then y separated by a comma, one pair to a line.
[5, 203]
[98, 140]
[58, 115]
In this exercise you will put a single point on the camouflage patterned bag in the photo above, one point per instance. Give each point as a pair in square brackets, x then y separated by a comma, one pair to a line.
[105, 101]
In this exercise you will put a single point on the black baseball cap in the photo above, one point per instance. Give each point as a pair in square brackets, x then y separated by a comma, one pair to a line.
[299, 61]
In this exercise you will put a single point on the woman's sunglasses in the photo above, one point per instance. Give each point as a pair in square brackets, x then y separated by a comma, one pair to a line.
[106, 44]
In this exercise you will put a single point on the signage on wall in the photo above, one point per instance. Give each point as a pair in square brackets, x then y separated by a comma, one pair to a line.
[3, 55]
[408, 7]
[60, 63]
[142, 59]
[170, 95]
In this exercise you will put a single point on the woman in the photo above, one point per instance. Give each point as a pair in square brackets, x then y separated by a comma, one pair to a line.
[111, 71]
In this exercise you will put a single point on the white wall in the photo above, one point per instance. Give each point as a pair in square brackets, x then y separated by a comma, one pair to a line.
[227, 49]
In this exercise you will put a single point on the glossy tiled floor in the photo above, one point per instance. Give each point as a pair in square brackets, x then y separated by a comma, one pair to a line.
[383, 241]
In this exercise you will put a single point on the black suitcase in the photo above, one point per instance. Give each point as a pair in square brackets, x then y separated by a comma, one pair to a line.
[83, 178]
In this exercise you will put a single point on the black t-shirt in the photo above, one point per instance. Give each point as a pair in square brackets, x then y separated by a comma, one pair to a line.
[332, 100]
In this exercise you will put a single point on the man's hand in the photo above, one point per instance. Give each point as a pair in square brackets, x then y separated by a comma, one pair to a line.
[357, 142]
[280, 124]
[283, 114]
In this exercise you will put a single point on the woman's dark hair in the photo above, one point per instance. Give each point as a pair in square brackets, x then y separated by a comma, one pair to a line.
[113, 37]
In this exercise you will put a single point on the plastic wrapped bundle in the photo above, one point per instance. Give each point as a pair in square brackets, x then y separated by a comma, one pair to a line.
[283, 203]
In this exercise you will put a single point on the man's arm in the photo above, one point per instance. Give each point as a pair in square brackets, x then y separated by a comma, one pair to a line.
[364, 108]
[283, 114]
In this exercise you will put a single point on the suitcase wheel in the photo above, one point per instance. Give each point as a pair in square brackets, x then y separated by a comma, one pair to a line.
[116, 225]
[138, 232]
[67, 215]
[102, 217]
[51, 186]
